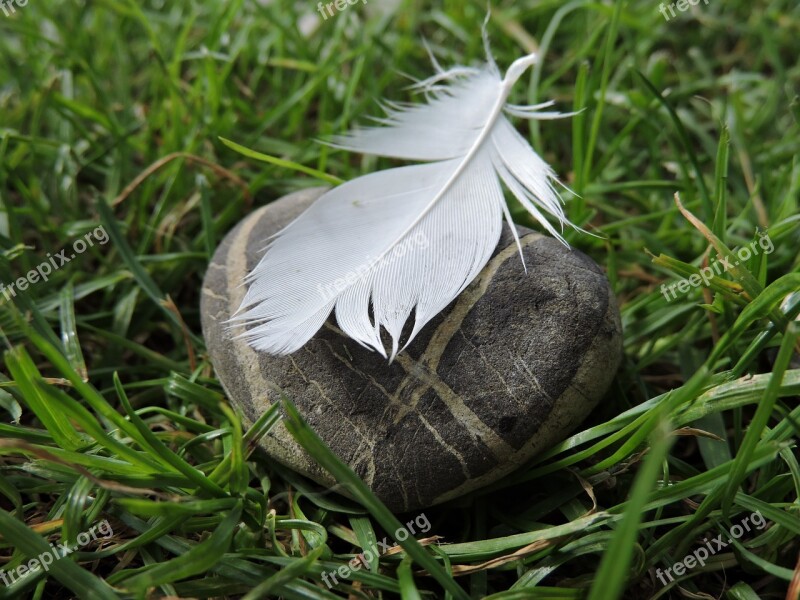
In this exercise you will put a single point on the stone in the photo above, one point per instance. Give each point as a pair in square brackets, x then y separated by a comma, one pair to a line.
[506, 371]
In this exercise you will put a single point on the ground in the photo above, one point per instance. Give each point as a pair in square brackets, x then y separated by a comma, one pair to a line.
[116, 439]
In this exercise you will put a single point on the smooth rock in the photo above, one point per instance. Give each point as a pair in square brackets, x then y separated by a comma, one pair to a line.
[506, 371]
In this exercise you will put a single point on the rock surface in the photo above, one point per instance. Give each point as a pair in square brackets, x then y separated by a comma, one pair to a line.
[506, 371]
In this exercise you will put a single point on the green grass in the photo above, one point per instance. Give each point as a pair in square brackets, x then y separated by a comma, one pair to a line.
[129, 115]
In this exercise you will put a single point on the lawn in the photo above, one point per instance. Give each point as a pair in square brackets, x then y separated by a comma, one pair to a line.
[118, 445]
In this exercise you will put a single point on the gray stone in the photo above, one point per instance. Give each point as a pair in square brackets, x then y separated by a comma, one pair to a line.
[506, 371]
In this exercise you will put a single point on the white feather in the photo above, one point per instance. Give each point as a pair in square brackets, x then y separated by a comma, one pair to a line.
[405, 240]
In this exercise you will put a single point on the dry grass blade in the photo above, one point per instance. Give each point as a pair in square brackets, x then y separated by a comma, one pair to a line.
[459, 570]
[159, 164]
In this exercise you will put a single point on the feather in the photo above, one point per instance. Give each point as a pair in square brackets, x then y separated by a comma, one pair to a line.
[409, 239]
